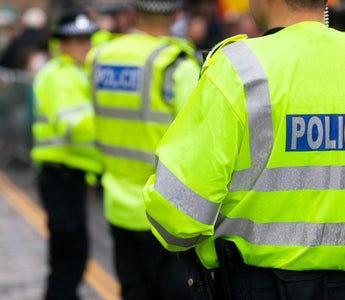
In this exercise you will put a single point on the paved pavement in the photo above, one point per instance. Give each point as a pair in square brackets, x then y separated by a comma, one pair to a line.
[23, 243]
[22, 249]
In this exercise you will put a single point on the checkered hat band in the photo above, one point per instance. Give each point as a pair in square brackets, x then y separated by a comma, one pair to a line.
[71, 29]
[158, 7]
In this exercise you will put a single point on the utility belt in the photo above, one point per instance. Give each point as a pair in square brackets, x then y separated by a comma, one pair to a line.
[234, 280]
[61, 171]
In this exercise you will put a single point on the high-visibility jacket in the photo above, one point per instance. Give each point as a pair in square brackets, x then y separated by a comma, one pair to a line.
[256, 156]
[140, 83]
[63, 128]
[102, 36]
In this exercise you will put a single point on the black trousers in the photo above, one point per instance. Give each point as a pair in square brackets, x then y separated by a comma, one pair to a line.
[146, 270]
[63, 193]
[237, 281]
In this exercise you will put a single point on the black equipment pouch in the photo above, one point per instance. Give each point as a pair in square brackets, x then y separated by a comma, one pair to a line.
[245, 282]
[305, 285]
[199, 278]
[240, 281]
[231, 271]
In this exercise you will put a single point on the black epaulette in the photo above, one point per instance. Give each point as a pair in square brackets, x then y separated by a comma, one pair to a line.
[213, 53]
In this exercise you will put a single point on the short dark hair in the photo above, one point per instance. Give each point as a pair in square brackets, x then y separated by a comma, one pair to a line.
[310, 4]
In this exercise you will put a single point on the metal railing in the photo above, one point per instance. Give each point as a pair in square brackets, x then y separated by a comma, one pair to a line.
[16, 100]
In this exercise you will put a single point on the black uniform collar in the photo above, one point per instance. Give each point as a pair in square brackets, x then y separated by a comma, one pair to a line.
[273, 30]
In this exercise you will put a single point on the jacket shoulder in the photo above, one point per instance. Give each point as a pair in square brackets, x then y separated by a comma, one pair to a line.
[216, 49]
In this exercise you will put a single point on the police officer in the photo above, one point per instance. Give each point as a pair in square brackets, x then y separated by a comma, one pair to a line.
[140, 81]
[64, 149]
[251, 173]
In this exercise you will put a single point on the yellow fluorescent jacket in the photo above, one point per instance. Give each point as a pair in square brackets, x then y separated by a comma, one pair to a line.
[256, 155]
[63, 128]
[140, 83]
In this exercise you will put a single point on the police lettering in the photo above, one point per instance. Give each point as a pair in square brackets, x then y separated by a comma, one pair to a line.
[315, 132]
[118, 78]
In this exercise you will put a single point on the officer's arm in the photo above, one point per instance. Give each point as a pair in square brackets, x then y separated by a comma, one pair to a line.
[195, 161]
[180, 78]
[70, 108]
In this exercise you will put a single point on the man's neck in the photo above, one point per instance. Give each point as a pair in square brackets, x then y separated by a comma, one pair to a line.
[289, 17]
[155, 31]
[154, 24]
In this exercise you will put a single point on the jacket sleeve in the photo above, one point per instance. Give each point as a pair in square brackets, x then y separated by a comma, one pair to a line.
[66, 100]
[195, 160]
[185, 79]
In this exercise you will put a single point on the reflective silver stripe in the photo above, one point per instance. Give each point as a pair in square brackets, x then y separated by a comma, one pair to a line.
[169, 238]
[68, 134]
[61, 142]
[284, 233]
[41, 119]
[144, 113]
[93, 77]
[73, 110]
[259, 113]
[168, 80]
[294, 179]
[91, 144]
[135, 115]
[53, 142]
[164, 118]
[301, 178]
[127, 114]
[183, 198]
[132, 154]
[146, 89]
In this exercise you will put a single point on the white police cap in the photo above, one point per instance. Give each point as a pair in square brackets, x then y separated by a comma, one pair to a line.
[74, 25]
